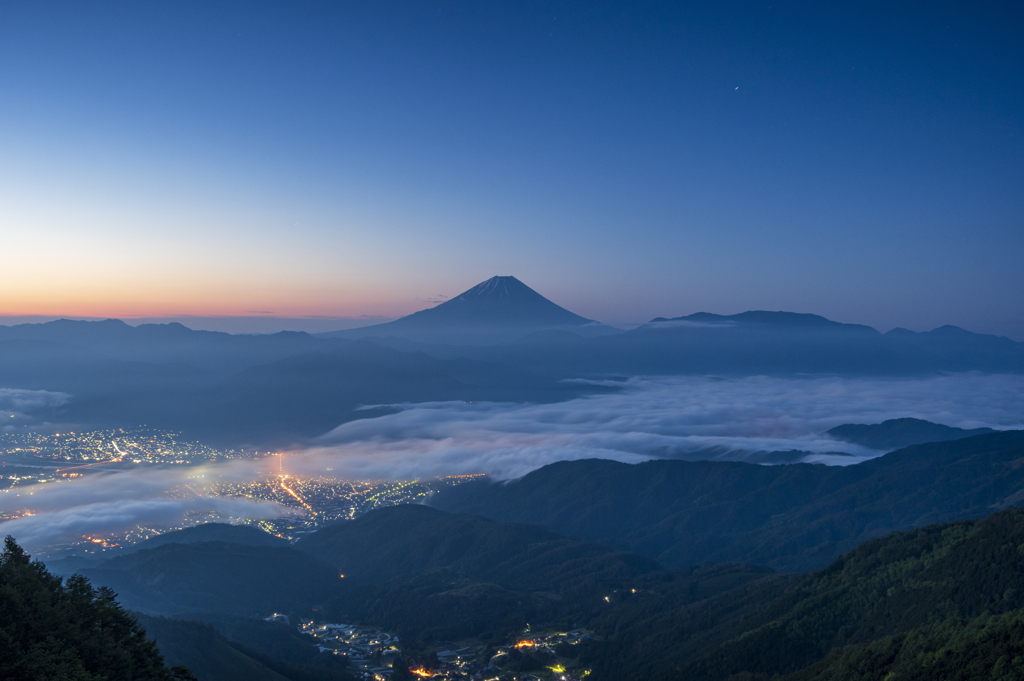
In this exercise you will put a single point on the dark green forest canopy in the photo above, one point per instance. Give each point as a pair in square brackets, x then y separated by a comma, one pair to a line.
[796, 517]
[987, 647]
[52, 629]
[879, 606]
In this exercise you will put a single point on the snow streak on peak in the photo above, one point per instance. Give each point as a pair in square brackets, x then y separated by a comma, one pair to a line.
[499, 287]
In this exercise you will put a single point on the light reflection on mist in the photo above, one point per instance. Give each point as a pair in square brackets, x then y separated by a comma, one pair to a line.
[114, 501]
[652, 417]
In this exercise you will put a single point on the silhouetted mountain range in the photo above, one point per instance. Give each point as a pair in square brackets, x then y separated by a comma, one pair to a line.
[761, 317]
[764, 343]
[499, 341]
[898, 433]
[756, 342]
[302, 396]
[28, 349]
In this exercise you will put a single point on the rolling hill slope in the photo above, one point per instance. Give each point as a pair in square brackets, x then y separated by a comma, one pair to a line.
[428, 574]
[217, 577]
[794, 517]
[944, 601]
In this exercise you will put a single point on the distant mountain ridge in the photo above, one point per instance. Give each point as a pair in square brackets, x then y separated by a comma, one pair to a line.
[758, 342]
[498, 341]
[501, 309]
[297, 396]
[898, 433]
[790, 319]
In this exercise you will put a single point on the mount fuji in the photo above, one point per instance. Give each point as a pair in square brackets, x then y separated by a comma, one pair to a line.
[499, 310]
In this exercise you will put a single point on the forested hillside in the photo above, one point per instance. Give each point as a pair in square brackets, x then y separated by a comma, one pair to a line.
[940, 600]
[793, 518]
[987, 647]
[51, 629]
[890, 605]
[429, 575]
[407, 539]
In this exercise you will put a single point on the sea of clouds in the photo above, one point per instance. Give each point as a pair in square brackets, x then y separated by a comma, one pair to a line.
[674, 417]
[15, 404]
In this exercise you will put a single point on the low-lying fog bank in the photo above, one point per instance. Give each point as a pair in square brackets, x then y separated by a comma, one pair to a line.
[675, 417]
[668, 417]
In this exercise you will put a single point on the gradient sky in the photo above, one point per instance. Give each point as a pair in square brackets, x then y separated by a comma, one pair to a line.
[627, 160]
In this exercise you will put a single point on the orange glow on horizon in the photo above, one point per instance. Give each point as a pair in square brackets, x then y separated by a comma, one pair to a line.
[373, 314]
[136, 299]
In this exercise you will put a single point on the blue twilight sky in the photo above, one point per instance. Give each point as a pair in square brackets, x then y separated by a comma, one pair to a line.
[864, 161]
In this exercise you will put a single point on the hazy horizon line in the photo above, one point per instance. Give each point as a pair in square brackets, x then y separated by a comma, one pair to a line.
[271, 323]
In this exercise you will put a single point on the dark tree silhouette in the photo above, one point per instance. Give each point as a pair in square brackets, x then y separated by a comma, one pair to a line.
[52, 629]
